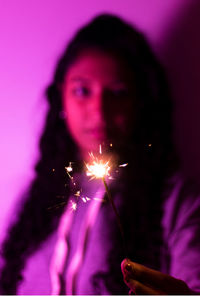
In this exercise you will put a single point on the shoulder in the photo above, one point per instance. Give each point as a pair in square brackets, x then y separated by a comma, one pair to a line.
[181, 202]
[181, 229]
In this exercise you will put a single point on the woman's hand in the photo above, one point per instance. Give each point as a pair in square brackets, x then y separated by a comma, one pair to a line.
[144, 280]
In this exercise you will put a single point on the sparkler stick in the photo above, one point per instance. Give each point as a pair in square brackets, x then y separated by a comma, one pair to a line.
[99, 170]
[116, 214]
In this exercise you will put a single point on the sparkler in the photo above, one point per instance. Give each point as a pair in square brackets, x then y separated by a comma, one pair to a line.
[100, 169]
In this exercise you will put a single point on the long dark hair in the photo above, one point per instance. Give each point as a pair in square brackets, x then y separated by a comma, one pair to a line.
[152, 139]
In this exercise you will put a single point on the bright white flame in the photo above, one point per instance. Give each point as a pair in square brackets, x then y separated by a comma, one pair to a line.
[98, 169]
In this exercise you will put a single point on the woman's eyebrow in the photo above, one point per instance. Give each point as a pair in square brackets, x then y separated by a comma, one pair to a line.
[117, 83]
[79, 79]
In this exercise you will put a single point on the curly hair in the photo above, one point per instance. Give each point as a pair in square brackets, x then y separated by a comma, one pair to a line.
[151, 138]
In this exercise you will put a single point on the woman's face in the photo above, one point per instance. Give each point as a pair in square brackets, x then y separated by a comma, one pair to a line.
[98, 100]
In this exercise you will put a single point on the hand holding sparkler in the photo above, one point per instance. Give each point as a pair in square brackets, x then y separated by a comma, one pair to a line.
[146, 281]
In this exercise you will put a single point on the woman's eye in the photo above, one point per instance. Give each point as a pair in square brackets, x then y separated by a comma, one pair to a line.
[120, 93]
[81, 91]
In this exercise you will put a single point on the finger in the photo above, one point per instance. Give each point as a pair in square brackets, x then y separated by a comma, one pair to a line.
[139, 288]
[153, 278]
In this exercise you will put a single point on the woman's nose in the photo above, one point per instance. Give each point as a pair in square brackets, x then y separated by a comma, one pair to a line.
[98, 105]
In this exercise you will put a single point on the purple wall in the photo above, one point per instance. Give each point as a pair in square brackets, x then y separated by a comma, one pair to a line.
[32, 35]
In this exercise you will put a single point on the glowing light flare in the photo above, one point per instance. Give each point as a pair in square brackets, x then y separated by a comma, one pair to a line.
[85, 199]
[69, 170]
[78, 193]
[73, 205]
[123, 165]
[100, 149]
[98, 169]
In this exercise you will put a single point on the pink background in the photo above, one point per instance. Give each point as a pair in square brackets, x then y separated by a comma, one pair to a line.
[33, 34]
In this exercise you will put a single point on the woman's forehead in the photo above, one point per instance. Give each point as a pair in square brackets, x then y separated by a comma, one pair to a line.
[96, 64]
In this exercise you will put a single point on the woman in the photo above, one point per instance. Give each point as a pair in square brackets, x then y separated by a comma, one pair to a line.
[108, 89]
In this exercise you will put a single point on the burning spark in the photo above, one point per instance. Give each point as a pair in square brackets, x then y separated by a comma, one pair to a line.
[69, 168]
[73, 205]
[98, 169]
[78, 193]
[91, 155]
[123, 165]
[85, 199]
[100, 149]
